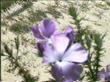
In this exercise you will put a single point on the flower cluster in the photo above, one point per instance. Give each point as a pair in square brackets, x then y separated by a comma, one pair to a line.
[104, 75]
[60, 50]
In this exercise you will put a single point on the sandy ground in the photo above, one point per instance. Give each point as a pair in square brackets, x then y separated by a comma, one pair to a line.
[96, 17]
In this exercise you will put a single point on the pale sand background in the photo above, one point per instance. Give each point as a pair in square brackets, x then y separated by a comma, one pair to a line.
[97, 17]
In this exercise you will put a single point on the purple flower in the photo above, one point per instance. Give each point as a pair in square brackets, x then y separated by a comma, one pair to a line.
[59, 50]
[66, 71]
[62, 58]
[104, 75]
[44, 29]
[70, 34]
[43, 32]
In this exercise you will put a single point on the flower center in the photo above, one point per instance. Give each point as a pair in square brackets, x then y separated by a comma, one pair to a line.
[60, 60]
[49, 41]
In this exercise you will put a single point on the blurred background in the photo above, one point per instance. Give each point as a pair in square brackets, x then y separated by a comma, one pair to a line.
[19, 58]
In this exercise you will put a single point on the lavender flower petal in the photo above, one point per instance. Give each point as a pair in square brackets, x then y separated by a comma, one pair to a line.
[60, 42]
[36, 32]
[108, 72]
[66, 71]
[48, 27]
[70, 33]
[102, 75]
[40, 47]
[50, 55]
[76, 53]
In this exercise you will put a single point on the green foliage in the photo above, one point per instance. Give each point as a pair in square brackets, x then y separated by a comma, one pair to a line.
[94, 62]
[52, 10]
[14, 62]
[37, 15]
[17, 42]
[51, 80]
[6, 3]
[7, 50]
[98, 40]
[20, 27]
[72, 11]
[27, 76]
[25, 5]
[91, 40]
